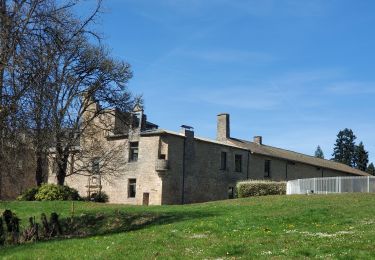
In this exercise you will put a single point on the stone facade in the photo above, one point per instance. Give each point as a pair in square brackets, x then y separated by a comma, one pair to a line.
[164, 167]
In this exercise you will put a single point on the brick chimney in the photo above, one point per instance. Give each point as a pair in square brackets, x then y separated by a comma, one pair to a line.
[258, 140]
[223, 127]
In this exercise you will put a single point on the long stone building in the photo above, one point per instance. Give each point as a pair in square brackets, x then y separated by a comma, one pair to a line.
[152, 166]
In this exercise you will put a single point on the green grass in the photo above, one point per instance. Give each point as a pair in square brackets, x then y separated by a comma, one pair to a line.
[280, 227]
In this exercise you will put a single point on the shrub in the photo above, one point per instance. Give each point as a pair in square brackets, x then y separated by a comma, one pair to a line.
[99, 197]
[260, 188]
[56, 192]
[28, 195]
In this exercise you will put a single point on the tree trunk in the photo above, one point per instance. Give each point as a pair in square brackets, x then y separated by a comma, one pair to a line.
[61, 169]
[2, 71]
[39, 175]
[2, 129]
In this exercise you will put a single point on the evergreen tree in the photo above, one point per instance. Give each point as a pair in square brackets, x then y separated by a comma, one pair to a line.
[361, 157]
[345, 149]
[371, 169]
[319, 152]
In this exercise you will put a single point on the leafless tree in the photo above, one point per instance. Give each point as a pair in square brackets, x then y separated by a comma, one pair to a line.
[17, 18]
[83, 74]
[52, 69]
[22, 23]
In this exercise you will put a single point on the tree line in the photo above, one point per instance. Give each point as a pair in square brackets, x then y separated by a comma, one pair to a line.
[53, 68]
[346, 151]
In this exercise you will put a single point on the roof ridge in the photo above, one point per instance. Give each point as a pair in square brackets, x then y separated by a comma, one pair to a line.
[338, 164]
[311, 156]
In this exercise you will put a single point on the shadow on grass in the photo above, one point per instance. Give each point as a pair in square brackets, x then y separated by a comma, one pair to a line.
[94, 224]
[99, 224]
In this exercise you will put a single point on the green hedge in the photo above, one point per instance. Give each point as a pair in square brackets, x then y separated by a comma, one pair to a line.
[50, 192]
[260, 188]
[28, 195]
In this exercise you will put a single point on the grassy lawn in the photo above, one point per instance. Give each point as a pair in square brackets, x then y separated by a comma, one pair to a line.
[280, 227]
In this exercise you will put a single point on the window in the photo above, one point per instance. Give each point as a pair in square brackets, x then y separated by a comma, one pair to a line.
[230, 193]
[132, 183]
[267, 168]
[238, 162]
[223, 164]
[95, 165]
[133, 156]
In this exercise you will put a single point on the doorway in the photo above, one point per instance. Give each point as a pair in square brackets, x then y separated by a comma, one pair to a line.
[146, 198]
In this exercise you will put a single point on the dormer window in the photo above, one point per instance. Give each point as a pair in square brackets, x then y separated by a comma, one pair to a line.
[137, 118]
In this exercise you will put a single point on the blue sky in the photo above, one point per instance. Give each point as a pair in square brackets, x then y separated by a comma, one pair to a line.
[293, 71]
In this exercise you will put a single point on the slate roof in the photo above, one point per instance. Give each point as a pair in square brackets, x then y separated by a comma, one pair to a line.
[295, 157]
[274, 152]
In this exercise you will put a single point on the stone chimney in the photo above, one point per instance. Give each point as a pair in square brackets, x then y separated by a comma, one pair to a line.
[223, 127]
[258, 140]
[187, 131]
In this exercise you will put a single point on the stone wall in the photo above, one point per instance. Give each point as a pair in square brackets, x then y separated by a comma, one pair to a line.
[173, 178]
[202, 180]
[115, 185]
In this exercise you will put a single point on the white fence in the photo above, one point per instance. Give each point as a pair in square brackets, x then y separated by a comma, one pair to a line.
[331, 185]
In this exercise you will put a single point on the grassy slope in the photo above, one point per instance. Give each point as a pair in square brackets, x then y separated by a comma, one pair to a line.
[335, 226]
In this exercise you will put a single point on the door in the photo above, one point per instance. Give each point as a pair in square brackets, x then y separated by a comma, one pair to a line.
[146, 198]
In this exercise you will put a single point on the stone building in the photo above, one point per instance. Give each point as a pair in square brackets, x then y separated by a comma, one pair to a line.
[155, 166]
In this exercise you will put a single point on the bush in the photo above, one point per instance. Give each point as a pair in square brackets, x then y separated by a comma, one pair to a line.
[28, 195]
[56, 192]
[260, 188]
[99, 197]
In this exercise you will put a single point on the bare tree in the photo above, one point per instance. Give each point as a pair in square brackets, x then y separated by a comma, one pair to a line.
[22, 23]
[82, 74]
[17, 18]
[37, 104]
[50, 71]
